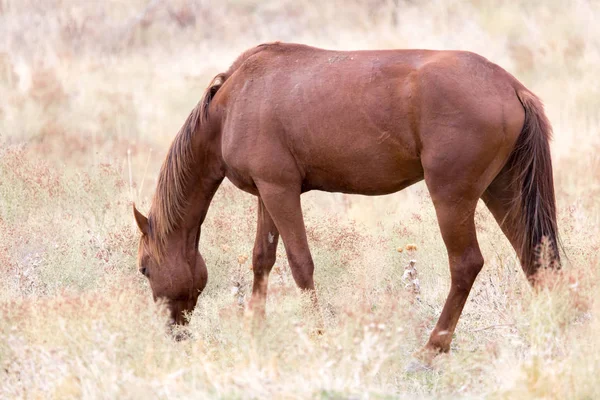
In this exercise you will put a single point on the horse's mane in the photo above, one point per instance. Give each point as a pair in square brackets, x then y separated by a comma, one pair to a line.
[170, 199]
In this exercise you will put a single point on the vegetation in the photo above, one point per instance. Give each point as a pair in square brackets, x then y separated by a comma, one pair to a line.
[92, 94]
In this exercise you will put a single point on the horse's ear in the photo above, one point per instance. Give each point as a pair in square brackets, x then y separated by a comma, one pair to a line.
[142, 222]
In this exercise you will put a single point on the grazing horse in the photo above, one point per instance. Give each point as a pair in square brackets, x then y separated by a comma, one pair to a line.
[288, 118]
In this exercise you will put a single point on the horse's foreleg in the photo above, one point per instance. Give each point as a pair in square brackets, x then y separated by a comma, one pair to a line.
[283, 204]
[263, 258]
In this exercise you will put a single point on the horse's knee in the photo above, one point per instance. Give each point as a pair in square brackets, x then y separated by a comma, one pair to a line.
[303, 273]
[263, 260]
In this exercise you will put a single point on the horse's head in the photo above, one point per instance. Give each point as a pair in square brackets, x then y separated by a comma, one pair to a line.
[175, 269]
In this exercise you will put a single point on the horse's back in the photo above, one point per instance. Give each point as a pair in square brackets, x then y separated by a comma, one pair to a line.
[357, 121]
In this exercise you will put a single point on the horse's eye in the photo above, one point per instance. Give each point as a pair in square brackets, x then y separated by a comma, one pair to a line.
[144, 271]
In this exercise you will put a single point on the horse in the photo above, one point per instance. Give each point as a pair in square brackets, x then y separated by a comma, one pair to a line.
[285, 119]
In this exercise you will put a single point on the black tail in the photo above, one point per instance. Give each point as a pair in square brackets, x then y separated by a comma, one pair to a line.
[531, 164]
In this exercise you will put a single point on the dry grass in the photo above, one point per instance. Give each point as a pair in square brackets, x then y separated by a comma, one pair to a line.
[82, 83]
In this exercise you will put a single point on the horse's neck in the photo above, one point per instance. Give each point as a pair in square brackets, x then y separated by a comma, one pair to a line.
[205, 180]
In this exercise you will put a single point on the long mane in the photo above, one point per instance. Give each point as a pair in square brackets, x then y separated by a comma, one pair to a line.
[170, 199]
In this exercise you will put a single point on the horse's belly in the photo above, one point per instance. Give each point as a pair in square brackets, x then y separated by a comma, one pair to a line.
[367, 177]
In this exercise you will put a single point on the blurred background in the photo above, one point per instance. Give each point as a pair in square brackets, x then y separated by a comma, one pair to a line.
[93, 92]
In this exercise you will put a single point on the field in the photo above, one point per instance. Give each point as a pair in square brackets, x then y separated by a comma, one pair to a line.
[92, 93]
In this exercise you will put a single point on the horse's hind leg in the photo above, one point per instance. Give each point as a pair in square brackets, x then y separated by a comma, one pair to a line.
[455, 185]
[263, 258]
[499, 198]
[457, 225]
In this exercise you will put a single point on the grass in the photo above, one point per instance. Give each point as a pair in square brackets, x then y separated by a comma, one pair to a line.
[85, 84]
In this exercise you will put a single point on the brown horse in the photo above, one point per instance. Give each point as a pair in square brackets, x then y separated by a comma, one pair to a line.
[286, 119]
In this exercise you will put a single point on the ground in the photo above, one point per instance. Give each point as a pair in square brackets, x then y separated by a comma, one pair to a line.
[91, 95]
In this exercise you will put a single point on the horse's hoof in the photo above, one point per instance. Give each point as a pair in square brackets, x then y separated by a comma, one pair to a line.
[415, 366]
